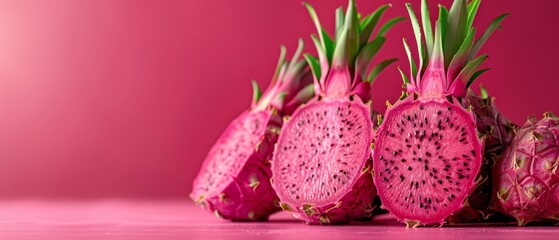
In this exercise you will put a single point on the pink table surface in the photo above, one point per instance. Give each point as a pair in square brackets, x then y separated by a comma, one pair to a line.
[174, 219]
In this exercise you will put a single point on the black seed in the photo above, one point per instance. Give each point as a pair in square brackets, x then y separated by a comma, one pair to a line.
[440, 182]
[445, 189]
[428, 154]
[418, 146]
[473, 153]
[403, 160]
[409, 168]
[402, 178]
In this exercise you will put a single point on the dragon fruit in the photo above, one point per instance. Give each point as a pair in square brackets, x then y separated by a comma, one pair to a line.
[321, 166]
[427, 153]
[526, 176]
[498, 132]
[234, 180]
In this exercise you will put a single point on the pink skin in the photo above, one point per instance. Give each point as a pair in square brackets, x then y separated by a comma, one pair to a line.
[527, 186]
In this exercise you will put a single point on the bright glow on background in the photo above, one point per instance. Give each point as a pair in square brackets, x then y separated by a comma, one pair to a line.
[117, 98]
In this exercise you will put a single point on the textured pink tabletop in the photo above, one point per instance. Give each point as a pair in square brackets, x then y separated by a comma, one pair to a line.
[139, 220]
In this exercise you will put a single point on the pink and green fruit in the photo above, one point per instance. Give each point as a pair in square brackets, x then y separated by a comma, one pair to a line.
[234, 180]
[427, 152]
[322, 171]
[526, 176]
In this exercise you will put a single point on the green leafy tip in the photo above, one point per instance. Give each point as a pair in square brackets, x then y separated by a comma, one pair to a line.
[456, 46]
[256, 92]
[285, 83]
[354, 45]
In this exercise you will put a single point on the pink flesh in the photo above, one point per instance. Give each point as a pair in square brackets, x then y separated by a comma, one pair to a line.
[424, 149]
[321, 151]
[230, 152]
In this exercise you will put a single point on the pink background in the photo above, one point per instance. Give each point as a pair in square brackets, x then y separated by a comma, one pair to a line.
[124, 98]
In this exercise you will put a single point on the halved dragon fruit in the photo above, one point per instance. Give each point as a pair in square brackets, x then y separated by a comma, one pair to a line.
[234, 180]
[427, 153]
[321, 167]
[526, 177]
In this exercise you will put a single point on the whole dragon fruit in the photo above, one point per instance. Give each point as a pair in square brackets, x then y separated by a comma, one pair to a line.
[498, 132]
[234, 180]
[321, 166]
[526, 176]
[427, 153]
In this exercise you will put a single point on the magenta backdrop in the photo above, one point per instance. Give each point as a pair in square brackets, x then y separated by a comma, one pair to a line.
[124, 98]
